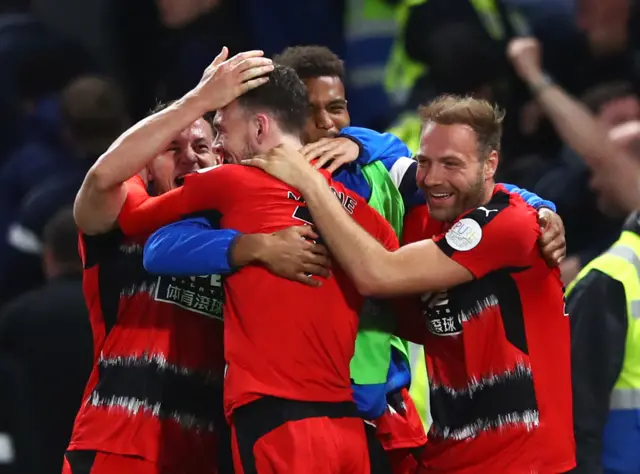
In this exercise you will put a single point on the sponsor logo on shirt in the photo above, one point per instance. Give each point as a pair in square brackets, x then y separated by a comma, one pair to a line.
[202, 294]
[464, 235]
[441, 320]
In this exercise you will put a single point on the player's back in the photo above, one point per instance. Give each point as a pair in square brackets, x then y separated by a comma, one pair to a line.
[283, 338]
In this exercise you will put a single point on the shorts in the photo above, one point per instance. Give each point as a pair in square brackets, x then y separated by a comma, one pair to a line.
[96, 462]
[273, 435]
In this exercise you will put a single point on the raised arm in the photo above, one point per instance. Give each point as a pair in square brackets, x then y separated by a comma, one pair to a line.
[103, 192]
[576, 125]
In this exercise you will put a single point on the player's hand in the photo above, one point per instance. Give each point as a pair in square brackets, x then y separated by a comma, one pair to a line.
[292, 253]
[333, 151]
[227, 79]
[552, 239]
[525, 55]
[285, 163]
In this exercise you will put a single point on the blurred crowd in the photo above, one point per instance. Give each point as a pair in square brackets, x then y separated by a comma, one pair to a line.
[75, 74]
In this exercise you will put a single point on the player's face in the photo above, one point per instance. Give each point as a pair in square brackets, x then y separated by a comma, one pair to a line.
[329, 112]
[189, 151]
[233, 133]
[451, 174]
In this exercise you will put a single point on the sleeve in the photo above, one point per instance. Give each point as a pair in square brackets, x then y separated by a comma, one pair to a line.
[191, 247]
[530, 198]
[598, 315]
[206, 189]
[492, 237]
[375, 146]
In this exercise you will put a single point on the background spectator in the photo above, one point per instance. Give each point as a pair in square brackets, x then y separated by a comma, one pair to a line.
[36, 182]
[47, 333]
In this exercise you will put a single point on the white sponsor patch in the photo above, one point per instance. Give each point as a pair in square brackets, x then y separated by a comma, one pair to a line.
[464, 235]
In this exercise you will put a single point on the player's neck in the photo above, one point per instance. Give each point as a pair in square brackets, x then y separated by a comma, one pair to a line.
[489, 189]
[291, 141]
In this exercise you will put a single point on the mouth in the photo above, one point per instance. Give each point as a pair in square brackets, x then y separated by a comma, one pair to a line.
[439, 197]
[179, 180]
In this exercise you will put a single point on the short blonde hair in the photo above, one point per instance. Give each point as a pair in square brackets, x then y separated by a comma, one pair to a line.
[484, 118]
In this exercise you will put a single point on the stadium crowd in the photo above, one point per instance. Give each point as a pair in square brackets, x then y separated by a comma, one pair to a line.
[262, 236]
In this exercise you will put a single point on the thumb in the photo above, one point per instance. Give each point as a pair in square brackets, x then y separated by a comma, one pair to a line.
[221, 57]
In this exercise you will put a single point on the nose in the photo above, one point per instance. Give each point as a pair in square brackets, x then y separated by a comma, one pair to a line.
[189, 157]
[323, 120]
[430, 175]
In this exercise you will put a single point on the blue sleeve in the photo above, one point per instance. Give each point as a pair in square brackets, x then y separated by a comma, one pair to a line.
[189, 248]
[375, 146]
[371, 400]
[532, 199]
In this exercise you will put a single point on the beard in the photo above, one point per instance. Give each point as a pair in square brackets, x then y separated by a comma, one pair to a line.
[465, 200]
[246, 152]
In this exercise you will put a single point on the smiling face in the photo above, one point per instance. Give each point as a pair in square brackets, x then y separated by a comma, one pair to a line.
[191, 150]
[451, 173]
[329, 112]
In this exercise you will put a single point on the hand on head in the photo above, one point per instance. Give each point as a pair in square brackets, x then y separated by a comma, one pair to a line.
[227, 79]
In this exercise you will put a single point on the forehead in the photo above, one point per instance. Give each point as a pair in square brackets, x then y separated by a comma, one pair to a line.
[231, 112]
[447, 140]
[199, 129]
[324, 89]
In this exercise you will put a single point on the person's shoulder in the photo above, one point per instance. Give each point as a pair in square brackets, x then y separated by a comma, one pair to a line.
[506, 210]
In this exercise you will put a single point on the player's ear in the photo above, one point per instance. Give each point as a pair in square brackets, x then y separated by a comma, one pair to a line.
[261, 128]
[491, 165]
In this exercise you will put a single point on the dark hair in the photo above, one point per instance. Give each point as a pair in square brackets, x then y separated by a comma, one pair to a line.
[61, 238]
[484, 118]
[598, 96]
[94, 110]
[160, 106]
[311, 61]
[284, 96]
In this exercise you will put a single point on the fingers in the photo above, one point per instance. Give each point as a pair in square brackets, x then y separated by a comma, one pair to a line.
[256, 162]
[306, 231]
[221, 57]
[321, 250]
[336, 163]
[316, 270]
[313, 150]
[307, 280]
[252, 63]
[253, 83]
[548, 236]
[325, 158]
[238, 58]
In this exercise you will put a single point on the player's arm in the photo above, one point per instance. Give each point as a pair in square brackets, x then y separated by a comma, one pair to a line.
[598, 315]
[103, 192]
[424, 266]
[576, 125]
[375, 146]
[192, 247]
[420, 267]
[206, 190]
